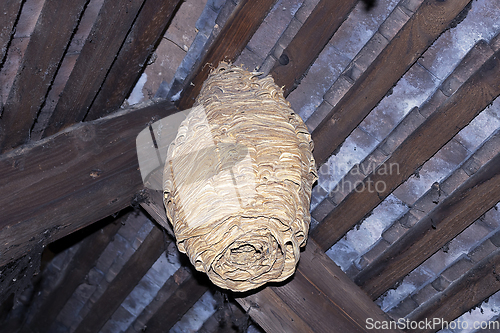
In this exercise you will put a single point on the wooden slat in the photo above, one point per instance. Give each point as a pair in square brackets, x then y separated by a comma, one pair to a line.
[232, 39]
[45, 50]
[124, 282]
[429, 21]
[8, 16]
[321, 298]
[479, 283]
[317, 30]
[166, 291]
[84, 259]
[65, 182]
[172, 310]
[455, 113]
[145, 34]
[103, 43]
[451, 216]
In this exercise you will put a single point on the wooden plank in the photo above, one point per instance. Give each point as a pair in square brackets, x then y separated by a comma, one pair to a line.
[479, 283]
[172, 310]
[166, 291]
[317, 30]
[430, 20]
[8, 17]
[65, 182]
[124, 282]
[455, 113]
[38, 68]
[97, 55]
[467, 203]
[84, 259]
[141, 41]
[232, 39]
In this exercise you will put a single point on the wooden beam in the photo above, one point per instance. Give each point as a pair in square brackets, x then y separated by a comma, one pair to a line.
[84, 259]
[97, 55]
[145, 35]
[232, 39]
[430, 20]
[462, 295]
[124, 282]
[317, 30]
[184, 296]
[46, 48]
[467, 203]
[8, 17]
[320, 297]
[77, 177]
[453, 115]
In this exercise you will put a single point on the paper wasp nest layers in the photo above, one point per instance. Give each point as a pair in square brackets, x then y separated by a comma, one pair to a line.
[237, 181]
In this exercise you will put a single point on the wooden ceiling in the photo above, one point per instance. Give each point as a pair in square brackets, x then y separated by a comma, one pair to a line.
[69, 166]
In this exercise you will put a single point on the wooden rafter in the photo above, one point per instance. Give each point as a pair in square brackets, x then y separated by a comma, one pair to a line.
[232, 39]
[453, 115]
[38, 69]
[70, 180]
[317, 30]
[430, 20]
[103, 43]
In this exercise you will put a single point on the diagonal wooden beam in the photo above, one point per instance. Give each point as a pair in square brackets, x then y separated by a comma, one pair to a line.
[144, 35]
[72, 179]
[317, 30]
[453, 115]
[84, 259]
[462, 295]
[97, 55]
[430, 20]
[232, 39]
[466, 204]
[8, 16]
[123, 283]
[47, 45]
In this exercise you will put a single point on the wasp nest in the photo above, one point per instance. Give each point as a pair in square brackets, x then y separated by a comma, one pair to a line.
[237, 181]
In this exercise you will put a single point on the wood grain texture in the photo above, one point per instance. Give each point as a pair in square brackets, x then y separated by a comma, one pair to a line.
[124, 282]
[183, 297]
[479, 283]
[140, 43]
[456, 112]
[430, 20]
[8, 16]
[84, 259]
[38, 68]
[232, 39]
[98, 53]
[466, 204]
[65, 182]
[314, 34]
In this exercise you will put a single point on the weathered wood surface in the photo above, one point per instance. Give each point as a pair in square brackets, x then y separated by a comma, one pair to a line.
[8, 15]
[83, 260]
[65, 182]
[38, 68]
[317, 30]
[429, 21]
[456, 112]
[182, 298]
[451, 216]
[145, 34]
[232, 39]
[124, 282]
[480, 282]
[102, 45]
